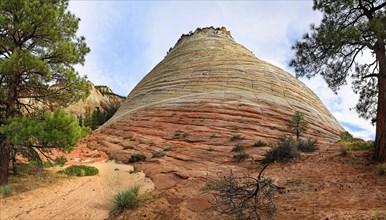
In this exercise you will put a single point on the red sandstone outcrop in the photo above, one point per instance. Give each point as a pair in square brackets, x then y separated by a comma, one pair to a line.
[207, 89]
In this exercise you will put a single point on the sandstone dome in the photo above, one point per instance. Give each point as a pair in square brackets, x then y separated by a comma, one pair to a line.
[208, 83]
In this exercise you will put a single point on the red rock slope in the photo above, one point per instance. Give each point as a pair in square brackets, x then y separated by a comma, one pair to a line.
[206, 90]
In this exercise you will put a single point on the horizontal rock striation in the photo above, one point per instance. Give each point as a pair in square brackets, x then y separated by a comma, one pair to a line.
[207, 90]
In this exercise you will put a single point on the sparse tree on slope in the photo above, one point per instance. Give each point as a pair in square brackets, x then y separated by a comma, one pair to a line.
[334, 49]
[38, 48]
[297, 124]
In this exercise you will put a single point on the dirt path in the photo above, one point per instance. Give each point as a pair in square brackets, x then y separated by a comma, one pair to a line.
[76, 198]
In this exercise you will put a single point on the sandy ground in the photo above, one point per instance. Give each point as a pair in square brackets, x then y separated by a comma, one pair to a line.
[76, 198]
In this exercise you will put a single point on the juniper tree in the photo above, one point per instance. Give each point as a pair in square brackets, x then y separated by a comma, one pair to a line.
[38, 48]
[334, 49]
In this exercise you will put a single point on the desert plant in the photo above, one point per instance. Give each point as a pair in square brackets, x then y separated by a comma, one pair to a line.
[381, 169]
[136, 158]
[168, 148]
[60, 161]
[379, 214]
[308, 145]
[283, 151]
[213, 135]
[210, 149]
[297, 124]
[236, 137]
[357, 144]
[127, 199]
[345, 136]
[259, 143]
[136, 169]
[128, 147]
[343, 152]
[243, 197]
[185, 134]
[80, 170]
[238, 148]
[241, 156]
[6, 190]
[158, 154]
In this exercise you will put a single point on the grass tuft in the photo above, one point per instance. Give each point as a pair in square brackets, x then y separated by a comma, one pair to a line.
[127, 199]
[158, 154]
[137, 157]
[241, 156]
[6, 190]
[259, 143]
[238, 148]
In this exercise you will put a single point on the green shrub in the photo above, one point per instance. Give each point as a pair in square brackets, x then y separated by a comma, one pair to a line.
[259, 143]
[241, 156]
[158, 154]
[382, 169]
[80, 170]
[6, 190]
[379, 214]
[137, 157]
[185, 134]
[238, 148]
[283, 151]
[136, 169]
[128, 147]
[308, 145]
[168, 148]
[346, 136]
[236, 137]
[60, 161]
[127, 199]
[357, 144]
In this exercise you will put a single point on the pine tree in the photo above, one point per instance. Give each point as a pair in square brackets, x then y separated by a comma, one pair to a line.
[297, 124]
[38, 48]
[334, 50]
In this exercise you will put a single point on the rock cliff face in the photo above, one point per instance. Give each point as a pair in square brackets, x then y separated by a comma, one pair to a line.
[205, 91]
[100, 97]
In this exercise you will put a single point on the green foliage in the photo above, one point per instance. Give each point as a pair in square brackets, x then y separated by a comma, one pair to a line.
[356, 144]
[297, 124]
[241, 156]
[6, 190]
[158, 154]
[346, 136]
[259, 143]
[379, 214]
[136, 158]
[136, 169]
[56, 130]
[98, 117]
[127, 199]
[236, 137]
[80, 170]
[60, 161]
[308, 145]
[238, 148]
[381, 169]
[185, 134]
[283, 151]
[128, 147]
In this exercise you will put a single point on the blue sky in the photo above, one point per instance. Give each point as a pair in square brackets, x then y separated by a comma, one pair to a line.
[128, 38]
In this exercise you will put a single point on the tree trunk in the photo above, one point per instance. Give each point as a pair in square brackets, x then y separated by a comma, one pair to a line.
[380, 135]
[4, 161]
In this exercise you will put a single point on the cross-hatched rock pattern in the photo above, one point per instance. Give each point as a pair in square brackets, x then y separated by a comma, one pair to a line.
[208, 94]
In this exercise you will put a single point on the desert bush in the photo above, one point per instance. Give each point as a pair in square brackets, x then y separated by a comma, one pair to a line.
[80, 170]
[210, 149]
[127, 199]
[381, 169]
[308, 145]
[213, 135]
[357, 144]
[241, 156]
[345, 136]
[168, 148]
[128, 147]
[60, 161]
[283, 151]
[379, 214]
[236, 137]
[158, 154]
[136, 169]
[238, 148]
[259, 143]
[185, 134]
[6, 190]
[137, 157]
